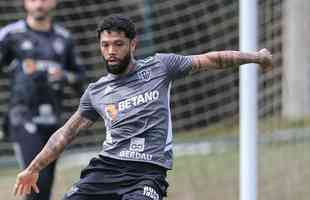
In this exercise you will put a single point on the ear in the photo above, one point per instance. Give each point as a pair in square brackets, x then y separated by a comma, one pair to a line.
[133, 44]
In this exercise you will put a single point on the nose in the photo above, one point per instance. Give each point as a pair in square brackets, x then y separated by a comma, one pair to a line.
[111, 50]
[38, 3]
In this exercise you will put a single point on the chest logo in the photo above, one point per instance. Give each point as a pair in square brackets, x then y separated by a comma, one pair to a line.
[111, 111]
[144, 75]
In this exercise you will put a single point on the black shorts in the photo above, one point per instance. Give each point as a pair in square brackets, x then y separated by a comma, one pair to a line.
[111, 179]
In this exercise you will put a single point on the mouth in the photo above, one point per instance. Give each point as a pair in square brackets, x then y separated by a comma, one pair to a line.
[113, 61]
[39, 14]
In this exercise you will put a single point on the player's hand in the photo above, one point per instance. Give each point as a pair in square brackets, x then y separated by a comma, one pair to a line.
[265, 59]
[26, 182]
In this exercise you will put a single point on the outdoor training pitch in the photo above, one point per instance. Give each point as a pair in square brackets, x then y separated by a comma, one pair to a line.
[283, 170]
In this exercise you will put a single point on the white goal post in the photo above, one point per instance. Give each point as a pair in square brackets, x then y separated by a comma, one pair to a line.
[248, 102]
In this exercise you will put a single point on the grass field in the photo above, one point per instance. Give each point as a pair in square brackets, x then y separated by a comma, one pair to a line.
[283, 174]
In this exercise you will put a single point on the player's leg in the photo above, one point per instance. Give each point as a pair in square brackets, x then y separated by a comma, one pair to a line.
[87, 192]
[92, 185]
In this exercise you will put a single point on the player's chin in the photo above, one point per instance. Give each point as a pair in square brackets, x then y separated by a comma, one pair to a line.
[40, 16]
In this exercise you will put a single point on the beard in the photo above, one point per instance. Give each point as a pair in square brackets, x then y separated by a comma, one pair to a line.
[40, 14]
[119, 68]
[40, 17]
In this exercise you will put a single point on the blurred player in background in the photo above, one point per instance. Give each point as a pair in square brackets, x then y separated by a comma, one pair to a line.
[133, 101]
[41, 60]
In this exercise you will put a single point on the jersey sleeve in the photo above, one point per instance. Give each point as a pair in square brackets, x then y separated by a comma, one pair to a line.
[74, 68]
[176, 65]
[5, 52]
[73, 61]
[86, 108]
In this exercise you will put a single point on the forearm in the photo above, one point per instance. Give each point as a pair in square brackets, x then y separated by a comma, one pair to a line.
[58, 141]
[51, 151]
[225, 59]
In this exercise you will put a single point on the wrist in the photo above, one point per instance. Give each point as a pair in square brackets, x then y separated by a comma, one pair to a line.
[32, 169]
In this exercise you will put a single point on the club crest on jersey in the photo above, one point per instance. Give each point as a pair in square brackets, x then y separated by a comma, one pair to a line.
[111, 111]
[144, 75]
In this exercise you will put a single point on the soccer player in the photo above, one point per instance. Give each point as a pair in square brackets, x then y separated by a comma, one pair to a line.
[41, 59]
[133, 102]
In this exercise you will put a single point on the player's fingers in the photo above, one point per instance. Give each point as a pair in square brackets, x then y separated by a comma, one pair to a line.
[35, 188]
[28, 190]
[19, 190]
[16, 186]
[25, 190]
[264, 50]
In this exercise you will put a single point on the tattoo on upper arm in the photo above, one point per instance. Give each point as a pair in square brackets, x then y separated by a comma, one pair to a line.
[75, 124]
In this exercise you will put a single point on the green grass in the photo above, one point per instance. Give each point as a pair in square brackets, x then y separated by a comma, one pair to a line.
[283, 174]
[230, 127]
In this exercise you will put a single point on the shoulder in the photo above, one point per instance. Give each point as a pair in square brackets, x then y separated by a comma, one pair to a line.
[161, 56]
[172, 58]
[150, 60]
[13, 28]
[60, 30]
[98, 85]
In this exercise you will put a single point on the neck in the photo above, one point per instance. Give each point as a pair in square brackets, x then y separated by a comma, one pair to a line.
[130, 66]
[39, 25]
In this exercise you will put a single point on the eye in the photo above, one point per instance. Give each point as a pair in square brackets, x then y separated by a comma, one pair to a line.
[119, 44]
[104, 45]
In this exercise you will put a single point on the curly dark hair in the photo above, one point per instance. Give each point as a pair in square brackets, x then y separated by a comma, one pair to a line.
[117, 23]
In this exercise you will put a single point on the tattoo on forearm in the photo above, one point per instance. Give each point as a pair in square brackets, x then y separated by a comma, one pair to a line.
[56, 144]
[223, 59]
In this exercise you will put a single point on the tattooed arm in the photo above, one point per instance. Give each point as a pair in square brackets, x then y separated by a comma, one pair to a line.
[26, 180]
[225, 59]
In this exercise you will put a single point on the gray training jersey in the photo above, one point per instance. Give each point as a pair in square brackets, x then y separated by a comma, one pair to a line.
[136, 109]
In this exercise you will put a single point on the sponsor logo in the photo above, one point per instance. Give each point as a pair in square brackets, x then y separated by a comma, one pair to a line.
[135, 155]
[137, 144]
[46, 115]
[31, 65]
[138, 100]
[111, 111]
[150, 192]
